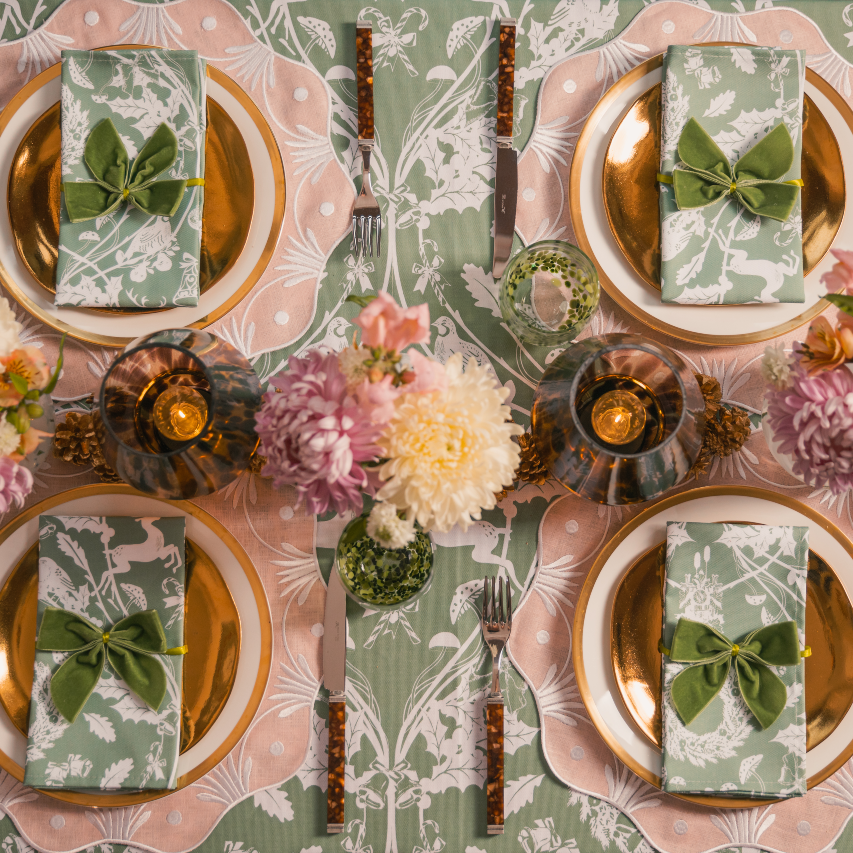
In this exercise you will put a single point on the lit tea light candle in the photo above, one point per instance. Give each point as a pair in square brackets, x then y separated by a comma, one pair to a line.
[180, 413]
[618, 417]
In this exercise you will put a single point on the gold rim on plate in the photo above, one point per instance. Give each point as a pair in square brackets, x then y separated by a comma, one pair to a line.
[257, 693]
[631, 195]
[276, 164]
[212, 633]
[33, 200]
[636, 660]
[580, 615]
[612, 290]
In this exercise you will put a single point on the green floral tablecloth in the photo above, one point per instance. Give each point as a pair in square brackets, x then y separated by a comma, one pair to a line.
[415, 786]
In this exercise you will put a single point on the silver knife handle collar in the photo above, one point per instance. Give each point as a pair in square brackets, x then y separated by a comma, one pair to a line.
[504, 142]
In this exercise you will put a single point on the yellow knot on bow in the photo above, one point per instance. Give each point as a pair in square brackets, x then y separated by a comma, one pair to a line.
[105, 636]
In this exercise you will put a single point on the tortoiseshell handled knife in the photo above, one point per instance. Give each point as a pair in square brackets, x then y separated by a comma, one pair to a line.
[506, 174]
[334, 676]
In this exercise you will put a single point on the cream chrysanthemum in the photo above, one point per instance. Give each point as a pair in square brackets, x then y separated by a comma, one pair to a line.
[449, 452]
[387, 528]
[10, 438]
[351, 361]
[10, 329]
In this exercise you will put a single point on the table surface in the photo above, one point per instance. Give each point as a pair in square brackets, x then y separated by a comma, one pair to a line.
[417, 739]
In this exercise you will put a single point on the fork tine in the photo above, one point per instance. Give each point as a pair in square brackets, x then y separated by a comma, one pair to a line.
[508, 604]
[493, 622]
[370, 234]
[362, 223]
[501, 600]
[485, 600]
[354, 242]
[378, 236]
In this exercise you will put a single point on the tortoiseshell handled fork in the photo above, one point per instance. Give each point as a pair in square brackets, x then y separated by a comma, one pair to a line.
[366, 218]
[496, 623]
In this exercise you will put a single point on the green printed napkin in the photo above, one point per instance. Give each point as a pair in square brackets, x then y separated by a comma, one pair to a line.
[104, 569]
[125, 257]
[723, 253]
[737, 579]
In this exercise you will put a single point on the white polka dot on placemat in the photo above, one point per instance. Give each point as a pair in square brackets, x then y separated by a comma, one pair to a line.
[327, 208]
[208, 23]
[680, 827]
[300, 93]
[276, 747]
[577, 753]
[317, 629]
[804, 827]
[174, 817]
[286, 513]
[786, 36]
[91, 18]
[281, 318]
[668, 27]
[572, 527]
[57, 821]
[542, 637]
[569, 86]
[528, 194]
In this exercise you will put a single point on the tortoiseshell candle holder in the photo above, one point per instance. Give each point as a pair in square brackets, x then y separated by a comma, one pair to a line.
[579, 417]
[176, 414]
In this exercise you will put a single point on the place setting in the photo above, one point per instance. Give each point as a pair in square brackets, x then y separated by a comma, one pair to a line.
[419, 566]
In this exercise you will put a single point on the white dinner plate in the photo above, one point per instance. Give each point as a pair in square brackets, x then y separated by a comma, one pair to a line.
[592, 659]
[237, 571]
[109, 329]
[717, 325]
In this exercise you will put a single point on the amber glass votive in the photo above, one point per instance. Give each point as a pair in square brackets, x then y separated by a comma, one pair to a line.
[618, 419]
[176, 413]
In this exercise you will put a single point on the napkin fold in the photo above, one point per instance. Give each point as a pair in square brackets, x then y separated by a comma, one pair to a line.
[724, 253]
[106, 569]
[126, 255]
[737, 579]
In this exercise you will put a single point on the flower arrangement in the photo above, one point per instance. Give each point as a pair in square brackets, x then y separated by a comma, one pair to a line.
[810, 392]
[393, 423]
[24, 377]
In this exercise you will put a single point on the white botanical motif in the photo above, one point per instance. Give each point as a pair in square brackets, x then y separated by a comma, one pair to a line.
[118, 824]
[253, 62]
[834, 69]
[724, 26]
[77, 131]
[297, 688]
[629, 792]
[555, 583]
[694, 65]
[151, 24]
[320, 33]
[300, 571]
[311, 150]
[558, 697]
[542, 837]
[617, 57]
[744, 826]
[275, 803]
[39, 50]
[550, 141]
[305, 260]
[391, 41]
[838, 789]
[227, 783]
[676, 106]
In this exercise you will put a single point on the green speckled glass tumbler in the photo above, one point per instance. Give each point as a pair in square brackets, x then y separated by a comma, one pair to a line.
[549, 293]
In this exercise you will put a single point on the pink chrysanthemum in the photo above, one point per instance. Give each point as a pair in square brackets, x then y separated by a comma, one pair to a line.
[315, 435]
[15, 484]
[813, 421]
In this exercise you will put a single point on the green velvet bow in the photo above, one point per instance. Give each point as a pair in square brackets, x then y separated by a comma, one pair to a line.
[129, 646]
[704, 176]
[116, 180]
[712, 653]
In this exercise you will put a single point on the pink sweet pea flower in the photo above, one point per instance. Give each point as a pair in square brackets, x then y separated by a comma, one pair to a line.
[377, 398]
[840, 278]
[385, 324]
[430, 375]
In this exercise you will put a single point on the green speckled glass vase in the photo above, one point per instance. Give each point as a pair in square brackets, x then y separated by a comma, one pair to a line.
[549, 293]
[383, 578]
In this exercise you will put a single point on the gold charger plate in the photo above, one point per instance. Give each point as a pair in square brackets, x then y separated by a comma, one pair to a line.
[212, 633]
[630, 189]
[833, 588]
[215, 227]
[637, 662]
[34, 200]
[214, 644]
[575, 202]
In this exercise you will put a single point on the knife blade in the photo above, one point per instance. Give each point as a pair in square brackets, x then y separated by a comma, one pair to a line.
[334, 676]
[506, 172]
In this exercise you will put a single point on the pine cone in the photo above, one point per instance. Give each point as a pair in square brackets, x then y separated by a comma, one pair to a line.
[701, 465]
[727, 432]
[530, 468]
[74, 440]
[711, 391]
[256, 463]
[499, 496]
